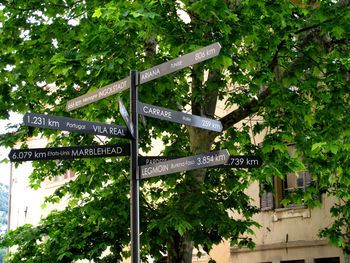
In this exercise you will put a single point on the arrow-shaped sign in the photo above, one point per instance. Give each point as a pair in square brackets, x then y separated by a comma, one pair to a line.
[73, 152]
[171, 66]
[74, 125]
[234, 161]
[179, 117]
[184, 61]
[99, 94]
[184, 164]
[125, 116]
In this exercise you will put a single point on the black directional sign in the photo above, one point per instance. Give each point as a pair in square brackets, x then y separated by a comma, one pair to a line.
[234, 161]
[69, 152]
[74, 125]
[181, 62]
[184, 164]
[125, 116]
[99, 94]
[179, 117]
[176, 64]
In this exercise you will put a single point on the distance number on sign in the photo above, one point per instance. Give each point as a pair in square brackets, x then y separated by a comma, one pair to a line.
[236, 161]
[210, 124]
[207, 159]
[21, 155]
[38, 120]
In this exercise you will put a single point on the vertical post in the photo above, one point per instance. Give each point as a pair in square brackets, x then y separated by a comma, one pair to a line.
[134, 171]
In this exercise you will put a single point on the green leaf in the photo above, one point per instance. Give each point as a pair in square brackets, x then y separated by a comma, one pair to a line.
[97, 13]
[317, 146]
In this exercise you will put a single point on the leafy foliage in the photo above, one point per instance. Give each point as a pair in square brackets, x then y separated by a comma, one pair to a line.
[285, 63]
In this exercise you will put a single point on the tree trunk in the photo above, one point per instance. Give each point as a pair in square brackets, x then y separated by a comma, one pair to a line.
[180, 249]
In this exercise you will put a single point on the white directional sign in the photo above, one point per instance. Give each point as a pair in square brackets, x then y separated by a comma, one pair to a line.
[171, 66]
[74, 125]
[72, 152]
[179, 117]
[184, 164]
[181, 62]
[98, 94]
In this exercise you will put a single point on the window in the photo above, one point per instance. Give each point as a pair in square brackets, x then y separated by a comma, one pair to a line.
[271, 198]
[327, 260]
[290, 184]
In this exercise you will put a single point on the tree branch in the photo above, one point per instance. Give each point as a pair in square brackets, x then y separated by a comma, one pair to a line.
[245, 111]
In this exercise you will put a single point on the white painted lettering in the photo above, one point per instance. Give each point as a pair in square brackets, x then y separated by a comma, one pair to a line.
[75, 126]
[185, 118]
[150, 74]
[176, 64]
[158, 112]
[149, 171]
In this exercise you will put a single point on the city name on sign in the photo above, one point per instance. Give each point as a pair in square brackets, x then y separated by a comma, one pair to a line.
[74, 125]
[163, 69]
[179, 117]
[234, 161]
[184, 164]
[73, 152]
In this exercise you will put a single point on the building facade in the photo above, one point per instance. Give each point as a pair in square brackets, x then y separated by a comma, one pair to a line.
[287, 234]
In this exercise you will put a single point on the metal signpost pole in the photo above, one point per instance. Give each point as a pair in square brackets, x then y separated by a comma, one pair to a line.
[134, 171]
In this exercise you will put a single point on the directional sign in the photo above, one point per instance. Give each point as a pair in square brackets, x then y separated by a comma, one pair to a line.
[74, 125]
[99, 94]
[184, 164]
[176, 64]
[234, 161]
[179, 117]
[181, 62]
[125, 116]
[69, 152]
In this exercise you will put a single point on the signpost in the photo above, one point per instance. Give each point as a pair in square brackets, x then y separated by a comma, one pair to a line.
[185, 164]
[134, 171]
[179, 117]
[150, 166]
[74, 125]
[73, 152]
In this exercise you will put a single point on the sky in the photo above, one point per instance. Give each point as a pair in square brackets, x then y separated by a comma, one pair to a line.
[5, 167]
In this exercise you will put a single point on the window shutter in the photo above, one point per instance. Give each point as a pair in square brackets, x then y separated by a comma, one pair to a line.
[267, 200]
[307, 178]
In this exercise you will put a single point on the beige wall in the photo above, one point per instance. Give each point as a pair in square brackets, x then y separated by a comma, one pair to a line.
[288, 234]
